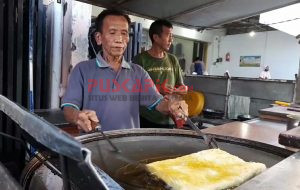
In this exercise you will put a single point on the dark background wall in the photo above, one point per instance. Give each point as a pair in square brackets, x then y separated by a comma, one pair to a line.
[16, 18]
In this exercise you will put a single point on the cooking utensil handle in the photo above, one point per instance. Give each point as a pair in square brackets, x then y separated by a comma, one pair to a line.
[98, 128]
[211, 142]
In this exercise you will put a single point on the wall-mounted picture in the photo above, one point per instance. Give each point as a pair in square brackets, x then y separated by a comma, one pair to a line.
[250, 61]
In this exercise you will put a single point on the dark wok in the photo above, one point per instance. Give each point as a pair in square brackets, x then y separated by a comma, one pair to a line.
[153, 144]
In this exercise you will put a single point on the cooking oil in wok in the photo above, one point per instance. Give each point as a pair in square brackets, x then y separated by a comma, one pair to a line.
[135, 176]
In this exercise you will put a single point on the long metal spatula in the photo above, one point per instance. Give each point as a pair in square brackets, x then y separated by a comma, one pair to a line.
[98, 129]
[209, 141]
[118, 152]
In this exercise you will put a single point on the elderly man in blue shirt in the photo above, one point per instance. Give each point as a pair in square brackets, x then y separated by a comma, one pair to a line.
[108, 90]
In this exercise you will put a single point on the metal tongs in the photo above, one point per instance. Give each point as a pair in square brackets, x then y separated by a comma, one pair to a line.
[118, 152]
[209, 141]
[98, 129]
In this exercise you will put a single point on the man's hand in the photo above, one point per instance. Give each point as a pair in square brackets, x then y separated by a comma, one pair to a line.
[173, 105]
[178, 109]
[86, 120]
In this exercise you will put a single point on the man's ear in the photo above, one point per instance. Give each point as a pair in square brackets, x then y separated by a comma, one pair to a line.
[155, 37]
[98, 38]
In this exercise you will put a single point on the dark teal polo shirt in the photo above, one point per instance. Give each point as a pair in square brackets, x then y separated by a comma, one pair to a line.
[115, 96]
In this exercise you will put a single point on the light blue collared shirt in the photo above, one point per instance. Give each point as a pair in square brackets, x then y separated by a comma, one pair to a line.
[115, 96]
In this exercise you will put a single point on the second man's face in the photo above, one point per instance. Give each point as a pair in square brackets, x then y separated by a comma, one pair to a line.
[165, 39]
[114, 36]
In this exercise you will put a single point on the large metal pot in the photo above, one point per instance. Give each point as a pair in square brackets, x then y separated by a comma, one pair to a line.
[149, 144]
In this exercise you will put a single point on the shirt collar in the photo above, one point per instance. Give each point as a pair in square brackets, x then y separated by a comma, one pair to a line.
[101, 63]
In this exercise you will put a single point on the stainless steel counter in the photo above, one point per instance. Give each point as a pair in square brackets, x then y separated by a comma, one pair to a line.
[273, 125]
[284, 175]
[256, 131]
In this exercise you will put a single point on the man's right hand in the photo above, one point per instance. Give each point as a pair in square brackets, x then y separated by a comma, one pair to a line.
[85, 120]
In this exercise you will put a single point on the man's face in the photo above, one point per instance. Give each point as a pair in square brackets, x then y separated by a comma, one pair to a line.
[114, 36]
[165, 39]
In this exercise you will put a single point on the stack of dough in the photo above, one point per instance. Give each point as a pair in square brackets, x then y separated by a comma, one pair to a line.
[211, 169]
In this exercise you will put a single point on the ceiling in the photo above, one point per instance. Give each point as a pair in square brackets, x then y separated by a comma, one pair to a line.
[195, 13]
[245, 26]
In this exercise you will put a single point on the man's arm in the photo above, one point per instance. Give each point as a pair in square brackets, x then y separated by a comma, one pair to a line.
[72, 103]
[180, 88]
[178, 73]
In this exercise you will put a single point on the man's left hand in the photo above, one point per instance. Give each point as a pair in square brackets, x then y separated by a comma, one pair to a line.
[178, 109]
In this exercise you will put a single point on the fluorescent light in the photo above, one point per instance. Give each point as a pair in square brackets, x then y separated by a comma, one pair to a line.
[252, 33]
[287, 19]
